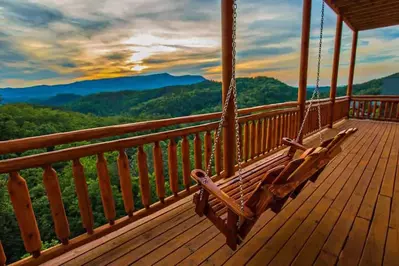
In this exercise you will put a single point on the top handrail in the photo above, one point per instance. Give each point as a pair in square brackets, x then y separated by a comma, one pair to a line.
[44, 141]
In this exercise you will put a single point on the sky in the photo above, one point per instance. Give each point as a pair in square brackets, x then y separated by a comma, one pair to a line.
[62, 41]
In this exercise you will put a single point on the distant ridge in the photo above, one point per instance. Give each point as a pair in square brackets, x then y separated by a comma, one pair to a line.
[136, 83]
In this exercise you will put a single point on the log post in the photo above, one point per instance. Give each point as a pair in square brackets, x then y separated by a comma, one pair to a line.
[352, 68]
[22, 205]
[172, 164]
[185, 151]
[53, 190]
[104, 182]
[334, 76]
[303, 68]
[83, 196]
[125, 182]
[229, 145]
[143, 177]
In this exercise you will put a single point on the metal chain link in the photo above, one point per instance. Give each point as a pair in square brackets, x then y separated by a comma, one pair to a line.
[316, 91]
[232, 89]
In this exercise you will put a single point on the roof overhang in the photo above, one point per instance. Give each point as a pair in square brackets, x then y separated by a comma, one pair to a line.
[367, 14]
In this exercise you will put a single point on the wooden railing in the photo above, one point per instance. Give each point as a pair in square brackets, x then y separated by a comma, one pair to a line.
[261, 131]
[376, 107]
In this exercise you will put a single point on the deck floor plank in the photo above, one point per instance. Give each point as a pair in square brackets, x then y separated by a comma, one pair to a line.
[339, 193]
[341, 230]
[348, 217]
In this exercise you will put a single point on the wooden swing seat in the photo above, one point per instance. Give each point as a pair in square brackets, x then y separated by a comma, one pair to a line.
[267, 185]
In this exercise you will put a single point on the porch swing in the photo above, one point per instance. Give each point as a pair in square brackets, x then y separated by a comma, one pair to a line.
[246, 196]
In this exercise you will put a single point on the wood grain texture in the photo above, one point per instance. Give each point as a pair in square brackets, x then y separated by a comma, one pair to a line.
[105, 189]
[125, 182]
[172, 165]
[53, 191]
[143, 177]
[22, 205]
[86, 213]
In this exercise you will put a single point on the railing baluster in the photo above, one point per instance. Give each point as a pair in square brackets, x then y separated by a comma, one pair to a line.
[197, 151]
[105, 189]
[246, 141]
[375, 110]
[371, 109]
[3, 257]
[86, 213]
[125, 182]
[143, 177]
[53, 190]
[158, 169]
[172, 163]
[289, 126]
[185, 151]
[252, 129]
[386, 107]
[207, 149]
[391, 111]
[278, 130]
[273, 133]
[368, 109]
[258, 148]
[218, 154]
[264, 136]
[22, 204]
[269, 135]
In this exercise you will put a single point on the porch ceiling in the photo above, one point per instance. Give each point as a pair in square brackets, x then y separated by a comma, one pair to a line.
[367, 14]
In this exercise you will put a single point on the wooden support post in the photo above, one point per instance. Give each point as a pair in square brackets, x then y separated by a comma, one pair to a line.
[334, 76]
[229, 145]
[303, 68]
[352, 68]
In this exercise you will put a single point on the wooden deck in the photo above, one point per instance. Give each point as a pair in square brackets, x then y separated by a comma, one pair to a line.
[349, 216]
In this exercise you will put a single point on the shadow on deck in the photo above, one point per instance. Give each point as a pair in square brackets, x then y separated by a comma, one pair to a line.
[349, 216]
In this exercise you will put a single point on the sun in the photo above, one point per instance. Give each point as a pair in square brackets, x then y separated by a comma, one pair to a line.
[138, 68]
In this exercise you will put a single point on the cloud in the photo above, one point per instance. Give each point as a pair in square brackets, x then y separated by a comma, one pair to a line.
[48, 41]
[29, 14]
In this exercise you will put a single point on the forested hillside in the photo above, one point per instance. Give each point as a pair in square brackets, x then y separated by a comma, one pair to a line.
[182, 100]
[72, 112]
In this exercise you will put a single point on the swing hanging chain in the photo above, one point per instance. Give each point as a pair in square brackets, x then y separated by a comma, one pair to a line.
[232, 90]
[316, 91]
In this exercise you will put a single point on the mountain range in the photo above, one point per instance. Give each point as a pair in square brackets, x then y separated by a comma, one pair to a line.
[135, 83]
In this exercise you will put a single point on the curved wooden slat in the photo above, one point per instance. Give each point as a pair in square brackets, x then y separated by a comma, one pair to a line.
[86, 213]
[3, 257]
[105, 189]
[158, 169]
[197, 151]
[143, 177]
[22, 204]
[172, 163]
[185, 151]
[125, 182]
[53, 191]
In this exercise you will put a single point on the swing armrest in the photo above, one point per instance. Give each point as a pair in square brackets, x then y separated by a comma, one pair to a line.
[294, 144]
[207, 183]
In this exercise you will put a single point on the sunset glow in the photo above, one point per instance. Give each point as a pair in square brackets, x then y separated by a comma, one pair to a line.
[50, 42]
